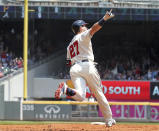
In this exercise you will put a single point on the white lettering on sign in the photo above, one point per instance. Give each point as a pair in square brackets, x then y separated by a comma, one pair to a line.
[156, 91]
[155, 113]
[136, 112]
[124, 90]
[140, 111]
[104, 89]
[52, 116]
[51, 112]
[28, 107]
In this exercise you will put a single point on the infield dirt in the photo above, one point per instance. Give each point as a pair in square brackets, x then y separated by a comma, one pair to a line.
[79, 127]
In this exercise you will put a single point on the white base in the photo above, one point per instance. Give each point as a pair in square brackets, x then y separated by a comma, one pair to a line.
[97, 123]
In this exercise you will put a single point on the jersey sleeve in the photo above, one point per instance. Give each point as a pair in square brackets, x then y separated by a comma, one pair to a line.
[86, 35]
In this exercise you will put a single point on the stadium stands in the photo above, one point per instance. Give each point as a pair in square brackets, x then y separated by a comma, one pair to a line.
[145, 2]
[136, 3]
[125, 69]
[43, 48]
[9, 62]
[92, 3]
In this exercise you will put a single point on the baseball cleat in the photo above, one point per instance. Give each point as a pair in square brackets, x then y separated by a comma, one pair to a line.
[110, 123]
[61, 90]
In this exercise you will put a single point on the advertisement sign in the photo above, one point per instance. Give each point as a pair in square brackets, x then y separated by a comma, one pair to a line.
[134, 112]
[122, 90]
[46, 112]
[126, 90]
[155, 113]
[154, 91]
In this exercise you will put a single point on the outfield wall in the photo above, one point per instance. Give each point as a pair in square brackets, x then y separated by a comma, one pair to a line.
[89, 111]
[113, 90]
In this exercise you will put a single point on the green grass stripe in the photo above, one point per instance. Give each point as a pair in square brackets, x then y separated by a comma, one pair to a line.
[37, 122]
[24, 122]
[66, 122]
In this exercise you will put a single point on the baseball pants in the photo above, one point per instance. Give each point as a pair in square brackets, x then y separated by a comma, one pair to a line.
[86, 72]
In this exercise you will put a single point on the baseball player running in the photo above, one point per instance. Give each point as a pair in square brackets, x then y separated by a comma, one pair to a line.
[80, 57]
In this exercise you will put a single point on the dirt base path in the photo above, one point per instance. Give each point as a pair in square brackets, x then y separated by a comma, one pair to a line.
[79, 127]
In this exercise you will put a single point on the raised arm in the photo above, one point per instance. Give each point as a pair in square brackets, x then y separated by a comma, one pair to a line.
[98, 25]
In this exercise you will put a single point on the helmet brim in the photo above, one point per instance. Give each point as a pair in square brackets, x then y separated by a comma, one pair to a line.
[84, 24]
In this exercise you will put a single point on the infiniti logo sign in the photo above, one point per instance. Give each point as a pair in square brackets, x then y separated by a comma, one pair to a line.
[52, 109]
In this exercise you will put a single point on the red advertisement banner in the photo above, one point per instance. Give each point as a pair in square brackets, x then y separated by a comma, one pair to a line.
[122, 90]
[126, 90]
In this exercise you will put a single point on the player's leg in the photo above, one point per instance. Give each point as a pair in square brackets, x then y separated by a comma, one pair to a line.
[80, 88]
[102, 101]
[77, 94]
[94, 82]
[78, 82]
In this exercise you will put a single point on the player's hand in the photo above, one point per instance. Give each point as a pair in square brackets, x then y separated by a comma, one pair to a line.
[108, 15]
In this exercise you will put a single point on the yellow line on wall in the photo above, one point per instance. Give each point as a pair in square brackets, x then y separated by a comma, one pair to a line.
[89, 103]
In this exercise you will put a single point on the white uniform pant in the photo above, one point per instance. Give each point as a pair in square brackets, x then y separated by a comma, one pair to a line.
[86, 72]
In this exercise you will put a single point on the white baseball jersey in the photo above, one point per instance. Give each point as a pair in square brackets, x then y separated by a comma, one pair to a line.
[80, 48]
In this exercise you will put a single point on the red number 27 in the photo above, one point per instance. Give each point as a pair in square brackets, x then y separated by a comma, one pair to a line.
[74, 49]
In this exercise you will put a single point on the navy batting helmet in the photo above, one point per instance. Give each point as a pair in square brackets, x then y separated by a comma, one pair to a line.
[76, 25]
